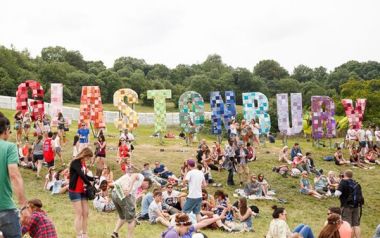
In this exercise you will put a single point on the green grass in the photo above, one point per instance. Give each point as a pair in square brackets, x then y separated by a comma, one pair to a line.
[300, 208]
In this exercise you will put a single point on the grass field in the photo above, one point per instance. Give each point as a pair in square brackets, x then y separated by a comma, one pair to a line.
[300, 208]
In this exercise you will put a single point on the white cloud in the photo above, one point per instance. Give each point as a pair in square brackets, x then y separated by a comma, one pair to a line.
[173, 32]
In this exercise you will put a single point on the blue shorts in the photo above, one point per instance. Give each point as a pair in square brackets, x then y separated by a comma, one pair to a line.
[74, 196]
[192, 205]
[305, 191]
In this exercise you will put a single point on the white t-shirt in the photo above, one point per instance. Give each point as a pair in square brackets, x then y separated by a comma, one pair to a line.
[153, 207]
[57, 142]
[171, 199]
[351, 134]
[361, 135]
[368, 134]
[125, 181]
[377, 135]
[195, 178]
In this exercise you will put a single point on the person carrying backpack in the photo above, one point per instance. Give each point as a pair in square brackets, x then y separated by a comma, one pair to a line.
[351, 200]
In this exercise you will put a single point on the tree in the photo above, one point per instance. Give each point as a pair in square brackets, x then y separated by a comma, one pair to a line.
[54, 54]
[302, 73]
[270, 70]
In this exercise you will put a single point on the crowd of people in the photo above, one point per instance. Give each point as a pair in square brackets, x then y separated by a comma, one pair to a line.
[181, 202]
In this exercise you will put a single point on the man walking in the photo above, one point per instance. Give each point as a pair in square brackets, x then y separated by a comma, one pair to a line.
[351, 200]
[9, 175]
[196, 180]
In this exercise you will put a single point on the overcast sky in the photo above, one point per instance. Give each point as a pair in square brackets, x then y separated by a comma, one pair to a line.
[172, 32]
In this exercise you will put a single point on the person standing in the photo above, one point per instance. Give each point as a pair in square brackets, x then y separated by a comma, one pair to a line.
[18, 126]
[83, 133]
[48, 150]
[78, 180]
[38, 154]
[241, 155]
[9, 177]
[229, 162]
[196, 180]
[351, 200]
[369, 137]
[124, 198]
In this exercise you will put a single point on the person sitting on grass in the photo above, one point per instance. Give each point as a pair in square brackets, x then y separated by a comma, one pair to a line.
[306, 188]
[264, 184]
[253, 187]
[333, 182]
[321, 184]
[145, 203]
[49, 179]
[300, 164]
[279, 228]
[283, 157]
[162, 171]
[282, 169]
[338, 157]
[331, 229]
[371, 157]
[244, 214]
[295, 151]
[355, 159]
[345, 230]
[35, 221]
[61, 182]
[102, 201]
[173, 199]
[148, 173]
[184, 227]
[156, 215]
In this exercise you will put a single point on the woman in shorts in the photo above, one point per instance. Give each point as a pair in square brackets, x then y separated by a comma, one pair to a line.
[27, 120]
[77, 183]
[38, 154]
[101, 154]
[18, 125]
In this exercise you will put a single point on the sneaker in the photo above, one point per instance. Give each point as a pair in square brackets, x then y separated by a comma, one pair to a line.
[115, 235]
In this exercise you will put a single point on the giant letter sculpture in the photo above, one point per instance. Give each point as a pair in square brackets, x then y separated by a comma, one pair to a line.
[323, 122]
[56, 101]
[91, 107]
[283, 113]
[219, 109]
[37, 103]
[251, 111]
[191, 111]
[159, 97]
[354, 114]
[128, 117]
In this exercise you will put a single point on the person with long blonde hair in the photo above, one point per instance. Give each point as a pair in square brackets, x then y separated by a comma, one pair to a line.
[77, 182]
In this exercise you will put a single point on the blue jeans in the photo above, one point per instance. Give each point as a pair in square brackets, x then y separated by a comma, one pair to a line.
[10, 223]
[304, 230]
[192, 205]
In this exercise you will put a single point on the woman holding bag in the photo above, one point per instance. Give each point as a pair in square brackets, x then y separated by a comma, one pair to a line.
[77, 191]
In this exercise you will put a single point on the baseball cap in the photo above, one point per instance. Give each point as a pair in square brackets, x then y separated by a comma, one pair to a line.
[299, 154]
[191, 163]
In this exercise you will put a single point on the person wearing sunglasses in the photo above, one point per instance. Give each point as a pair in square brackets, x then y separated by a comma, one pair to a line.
[10, 177]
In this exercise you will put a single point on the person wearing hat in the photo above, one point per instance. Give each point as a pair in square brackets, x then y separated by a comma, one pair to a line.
[241, 155]
[196, 180]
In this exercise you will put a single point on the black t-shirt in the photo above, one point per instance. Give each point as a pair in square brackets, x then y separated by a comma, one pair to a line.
[344, 187]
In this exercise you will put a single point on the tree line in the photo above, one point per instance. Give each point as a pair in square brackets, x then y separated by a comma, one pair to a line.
[352, 79]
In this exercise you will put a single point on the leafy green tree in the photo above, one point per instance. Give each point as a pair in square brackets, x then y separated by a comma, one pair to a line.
[302, 73]
[54, 54]
[270, 70]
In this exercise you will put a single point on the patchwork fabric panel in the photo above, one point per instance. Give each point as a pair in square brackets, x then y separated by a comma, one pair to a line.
[322, 115]
[355, 114]
[91, 107]
[56, 94]
[283, 113]
[159, 97]
[220, 110]
[37, 106]
[128, 118]
[255, 105]
[191, 111]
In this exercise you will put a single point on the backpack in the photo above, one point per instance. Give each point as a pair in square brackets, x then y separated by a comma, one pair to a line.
[355, 197]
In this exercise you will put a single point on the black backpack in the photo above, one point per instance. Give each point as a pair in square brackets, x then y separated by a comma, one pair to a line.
[355, 197]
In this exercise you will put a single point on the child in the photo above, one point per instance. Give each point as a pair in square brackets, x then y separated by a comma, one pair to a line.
[156, 215]
[48, 150]
[122, 153]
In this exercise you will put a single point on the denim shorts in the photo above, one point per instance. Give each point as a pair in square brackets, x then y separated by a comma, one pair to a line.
[10, 223]
[192, 205]
[74, 196]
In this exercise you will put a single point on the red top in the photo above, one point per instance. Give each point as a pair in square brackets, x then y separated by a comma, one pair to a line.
[123, 151]
[48, 150]
[79, 187]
